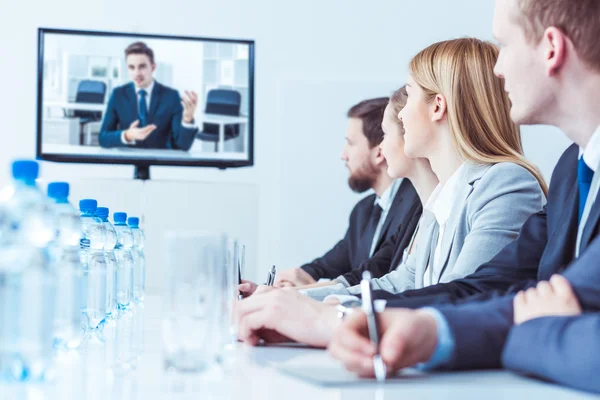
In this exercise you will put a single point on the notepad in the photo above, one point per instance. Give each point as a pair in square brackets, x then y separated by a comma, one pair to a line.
[318, 368]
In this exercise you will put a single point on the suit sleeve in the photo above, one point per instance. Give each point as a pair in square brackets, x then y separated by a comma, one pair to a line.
[183, 137]
[336, 261]
[479, 344]
[381, 262]
[517, 263]
[110, 136]
[565, 350]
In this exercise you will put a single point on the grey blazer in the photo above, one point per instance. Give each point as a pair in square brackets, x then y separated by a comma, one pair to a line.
[491, 206]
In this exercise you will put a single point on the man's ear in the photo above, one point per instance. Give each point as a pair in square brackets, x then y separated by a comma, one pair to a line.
[439, 108]
[554, 46]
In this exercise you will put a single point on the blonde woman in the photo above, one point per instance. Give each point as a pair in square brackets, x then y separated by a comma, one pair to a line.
[457, 117]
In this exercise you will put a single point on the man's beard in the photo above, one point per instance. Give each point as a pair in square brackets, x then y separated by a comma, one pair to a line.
[363, 179]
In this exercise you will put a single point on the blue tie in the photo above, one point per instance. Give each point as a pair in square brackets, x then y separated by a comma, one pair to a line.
[144, 109]
[584, 179]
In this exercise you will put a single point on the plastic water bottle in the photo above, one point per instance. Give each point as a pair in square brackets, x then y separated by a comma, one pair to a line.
[94, 264]
[111, 262]
[27, 279]
[123, 251]
[68, 331]
[139, 260]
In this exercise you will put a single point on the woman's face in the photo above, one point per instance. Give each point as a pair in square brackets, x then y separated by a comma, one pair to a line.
[392, 146]
[416, 118]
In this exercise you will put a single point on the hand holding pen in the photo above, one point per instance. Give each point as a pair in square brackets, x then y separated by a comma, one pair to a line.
[398, 337]
[372, 324]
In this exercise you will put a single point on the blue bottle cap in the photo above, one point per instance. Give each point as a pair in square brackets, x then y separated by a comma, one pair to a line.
[58, 190]
[133, 222]
[25, 170]
[88, 205]
[120, 217]
[102, 212]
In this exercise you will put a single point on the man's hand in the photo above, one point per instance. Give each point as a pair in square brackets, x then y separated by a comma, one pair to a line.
[138, 134]
[407, 338]
[247, 288]
[284, 315]
[189, 101]
[551, 298]
[292, 278]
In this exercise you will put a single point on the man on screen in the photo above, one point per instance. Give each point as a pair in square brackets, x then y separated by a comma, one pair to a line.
[146, 114]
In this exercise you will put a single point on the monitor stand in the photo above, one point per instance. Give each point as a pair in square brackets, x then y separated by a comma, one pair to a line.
[142, 172]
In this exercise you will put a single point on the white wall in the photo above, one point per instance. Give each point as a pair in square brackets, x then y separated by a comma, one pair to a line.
[314, 59]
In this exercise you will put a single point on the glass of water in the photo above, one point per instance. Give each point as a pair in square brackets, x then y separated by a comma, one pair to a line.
[192, 294]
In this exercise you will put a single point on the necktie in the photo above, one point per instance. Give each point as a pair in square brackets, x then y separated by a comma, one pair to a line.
[584, 180]
[143, 108]
[369, 231]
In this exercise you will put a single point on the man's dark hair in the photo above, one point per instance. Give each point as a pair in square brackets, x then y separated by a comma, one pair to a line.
[371, 113]
[140, 48]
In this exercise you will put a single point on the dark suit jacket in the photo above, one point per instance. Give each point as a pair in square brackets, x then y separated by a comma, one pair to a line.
[565, 350]
[545, 245]
[165, 112]
[480, 326]
[350, 252]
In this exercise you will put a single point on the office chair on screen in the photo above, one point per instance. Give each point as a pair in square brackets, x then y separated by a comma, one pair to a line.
[221, 102]
[88, 91]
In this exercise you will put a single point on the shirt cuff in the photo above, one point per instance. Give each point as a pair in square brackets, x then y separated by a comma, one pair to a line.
[343, 281]
[445, 342]
[124, 141]
[341, 297]
[188, 125]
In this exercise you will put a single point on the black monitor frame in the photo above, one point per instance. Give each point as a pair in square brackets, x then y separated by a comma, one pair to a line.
[143, 164]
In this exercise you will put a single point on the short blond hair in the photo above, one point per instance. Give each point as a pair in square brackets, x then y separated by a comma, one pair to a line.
[579, 20]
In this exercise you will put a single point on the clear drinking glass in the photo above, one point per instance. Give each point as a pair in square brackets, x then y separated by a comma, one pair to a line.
[192, 315]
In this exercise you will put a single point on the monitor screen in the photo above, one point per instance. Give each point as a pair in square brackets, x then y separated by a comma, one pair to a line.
[108, 97]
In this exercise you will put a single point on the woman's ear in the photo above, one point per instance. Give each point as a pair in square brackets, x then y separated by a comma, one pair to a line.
[439, 108]
[378, 157]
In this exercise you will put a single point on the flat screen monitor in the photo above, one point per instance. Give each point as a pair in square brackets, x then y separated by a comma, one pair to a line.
[144, 99]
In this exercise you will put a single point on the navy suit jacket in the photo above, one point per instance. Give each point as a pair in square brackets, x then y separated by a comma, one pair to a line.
[165, 112]
[348, 255]
[480, 326]
[565, 350]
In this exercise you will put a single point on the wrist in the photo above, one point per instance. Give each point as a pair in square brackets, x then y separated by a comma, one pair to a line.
[328, 323]
[429, 335]
[126, 135]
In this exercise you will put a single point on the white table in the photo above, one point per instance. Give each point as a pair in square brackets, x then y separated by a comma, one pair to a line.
[252, 375]
[223, 120]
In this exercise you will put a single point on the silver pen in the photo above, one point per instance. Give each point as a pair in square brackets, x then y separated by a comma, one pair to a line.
[372, 324]
[271, 276]
[240, 295]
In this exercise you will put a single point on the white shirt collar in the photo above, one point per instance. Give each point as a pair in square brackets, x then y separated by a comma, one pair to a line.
[442, 199]
[591, 153]
[387, 197]
[148, 89]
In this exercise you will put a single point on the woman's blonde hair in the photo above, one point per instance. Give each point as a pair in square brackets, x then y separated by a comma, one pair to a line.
[398, 101]
[478, 108]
